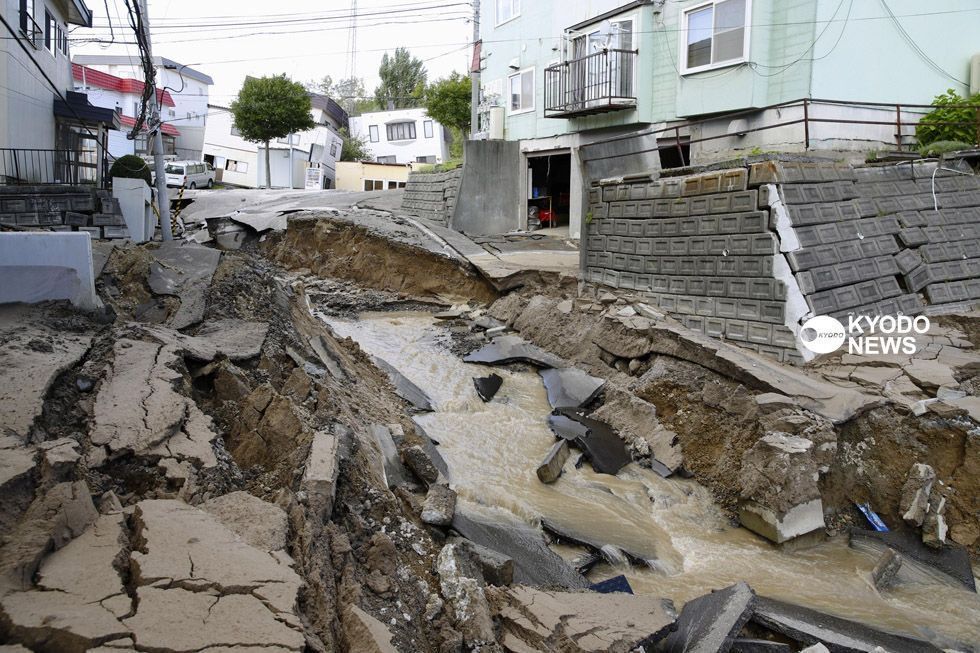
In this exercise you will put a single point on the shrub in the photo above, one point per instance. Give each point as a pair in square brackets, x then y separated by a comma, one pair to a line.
[131, 166]
[950, 108]
[940, 148]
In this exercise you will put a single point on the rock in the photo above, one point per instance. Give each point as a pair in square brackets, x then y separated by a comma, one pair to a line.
[607, 298]
[915, 494]
[230, 384]
[298, 385]
[236, 340]
[16, 463]
[320, 478]
[804, 625]
[84, 384]
[885, 570]
[433, 607]
[417, 460]
[772, 401]
[604, 449]
[365, 634]
[816, 648]
[109, 503]
[497, 568]
[403, 387]
[779, 498]
[570, 387]
[934, 526]
[439, 505]
[635, 420]
[564, 307]
[462, 585]
[510, 349]
[451, 314]
[394, 471]
[58, 457]
[711, 622]
[261, 524]
[537, 620]
[649, 312]
[550, 469]
[493, 332]
[487, 386]
[949, 565]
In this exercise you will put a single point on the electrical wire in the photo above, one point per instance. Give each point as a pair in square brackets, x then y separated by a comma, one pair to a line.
[918, 50]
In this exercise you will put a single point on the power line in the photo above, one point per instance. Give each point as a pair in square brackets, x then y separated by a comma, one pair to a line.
[917, 49]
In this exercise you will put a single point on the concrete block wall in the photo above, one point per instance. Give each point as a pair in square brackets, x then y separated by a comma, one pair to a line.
[747, 254]
[61, 208]
[432, 194]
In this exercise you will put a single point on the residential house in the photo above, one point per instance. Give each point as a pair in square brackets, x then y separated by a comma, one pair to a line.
[188, 88]
[402, 136]
[596, 88]
[242, 163]
[48, 133]
[124, 96]
[371, 175]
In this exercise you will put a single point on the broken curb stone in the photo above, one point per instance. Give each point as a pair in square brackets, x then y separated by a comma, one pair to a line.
[711, 622]
[549, 470]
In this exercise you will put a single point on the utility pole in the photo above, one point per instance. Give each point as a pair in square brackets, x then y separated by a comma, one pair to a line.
[475, 73]
[163, 202]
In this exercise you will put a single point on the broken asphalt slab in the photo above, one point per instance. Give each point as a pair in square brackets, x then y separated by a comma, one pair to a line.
[570, 387]
[604, 449]
[710, 623]
[236, 340]
[512, 349]
[487, 386]
[403, 387]
[806, 626]
[639, 550]
[949, 565]
[183, 270]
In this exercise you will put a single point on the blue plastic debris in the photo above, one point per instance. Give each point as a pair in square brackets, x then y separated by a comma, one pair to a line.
[872, 517]
[613, 585]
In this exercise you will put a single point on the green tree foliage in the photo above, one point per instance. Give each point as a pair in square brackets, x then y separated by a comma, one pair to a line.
[951, 108]
[349, 93]
[354, 148]
[403, 80]
[447, 101]
[269, 108]
[131, 166]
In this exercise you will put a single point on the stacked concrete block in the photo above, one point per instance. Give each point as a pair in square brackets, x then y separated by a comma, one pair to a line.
[432, 195]
[61, 208]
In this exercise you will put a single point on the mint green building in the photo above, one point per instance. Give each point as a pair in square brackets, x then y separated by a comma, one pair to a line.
[592, 88]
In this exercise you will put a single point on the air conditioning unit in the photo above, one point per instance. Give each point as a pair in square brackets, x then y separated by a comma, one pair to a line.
[975, 74]
[497, 123]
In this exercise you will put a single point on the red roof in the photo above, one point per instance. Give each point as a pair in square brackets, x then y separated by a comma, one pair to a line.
[100, 79]
[167, 128]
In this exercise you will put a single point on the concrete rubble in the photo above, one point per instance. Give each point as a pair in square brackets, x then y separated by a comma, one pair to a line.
[550, 469]
[183, 270]
[511, 349]
[570, 387]
[487, 386]
[949, 565]
[439, 505]
[712, 622]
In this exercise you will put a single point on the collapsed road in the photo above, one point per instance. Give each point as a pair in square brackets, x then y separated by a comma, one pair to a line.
[284, 449]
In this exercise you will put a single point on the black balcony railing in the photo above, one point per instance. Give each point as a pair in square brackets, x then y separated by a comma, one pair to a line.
[32, 32]
[45, 167]
[600, 82]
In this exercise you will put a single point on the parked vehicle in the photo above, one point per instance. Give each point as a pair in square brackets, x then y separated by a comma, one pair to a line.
[189, 174]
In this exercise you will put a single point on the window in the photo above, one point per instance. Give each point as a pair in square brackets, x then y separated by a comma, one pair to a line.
[522, 91]
[333, 149]
[27, 20]
[236, 166]
[425, 159]
[427, 128]
[373, 133]
[49, 31]
[374, 184]
[716, 34]
[507, 10]
[401, 131]
[387, 159]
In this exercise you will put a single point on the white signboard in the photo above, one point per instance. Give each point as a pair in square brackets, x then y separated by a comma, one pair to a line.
[314, 178]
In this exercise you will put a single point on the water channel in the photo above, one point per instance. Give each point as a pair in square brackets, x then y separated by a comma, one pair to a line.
[492, 450]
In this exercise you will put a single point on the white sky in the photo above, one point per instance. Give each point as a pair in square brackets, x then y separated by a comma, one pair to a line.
[437, 31]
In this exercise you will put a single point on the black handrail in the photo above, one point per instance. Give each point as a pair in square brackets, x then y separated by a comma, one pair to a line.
[39, 167]
[601, 81]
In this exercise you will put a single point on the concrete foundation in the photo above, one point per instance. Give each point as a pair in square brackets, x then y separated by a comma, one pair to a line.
[42, 266]
[491, 180]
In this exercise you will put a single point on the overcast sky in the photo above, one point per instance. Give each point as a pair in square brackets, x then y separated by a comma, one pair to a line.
[437, 31]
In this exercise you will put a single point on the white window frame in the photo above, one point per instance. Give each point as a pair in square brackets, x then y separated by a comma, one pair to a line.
[427, 128]
[746, 42]
[374, 134]
[515, 11]
[534, 91]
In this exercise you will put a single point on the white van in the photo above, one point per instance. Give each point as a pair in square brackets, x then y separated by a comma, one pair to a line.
[189, 174]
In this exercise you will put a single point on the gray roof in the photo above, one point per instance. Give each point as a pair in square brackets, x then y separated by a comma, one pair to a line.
[114, 59]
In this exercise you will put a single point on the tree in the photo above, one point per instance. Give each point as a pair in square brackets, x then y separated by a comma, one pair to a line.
[354, 147]
[349, 93]
[447, 101]
[131, 166]
[403, 80]
[268, 108]
[951, 108]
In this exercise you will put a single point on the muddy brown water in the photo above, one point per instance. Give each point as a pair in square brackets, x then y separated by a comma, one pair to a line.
[492, 450]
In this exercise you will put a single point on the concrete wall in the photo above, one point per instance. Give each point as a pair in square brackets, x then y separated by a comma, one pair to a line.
[432, 194]
[492, 178]
[36, 267]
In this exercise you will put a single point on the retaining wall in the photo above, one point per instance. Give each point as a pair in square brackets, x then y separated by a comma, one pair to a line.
[747, 254]
[62, 208]
[432, 194]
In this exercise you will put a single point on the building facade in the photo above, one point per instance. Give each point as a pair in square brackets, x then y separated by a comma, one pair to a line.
[188, 88]
[402, 136]
[370, 176]
[598, 88]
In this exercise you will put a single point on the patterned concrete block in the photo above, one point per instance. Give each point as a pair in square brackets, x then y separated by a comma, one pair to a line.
[791, 172]
[723, 181]
[812, 214]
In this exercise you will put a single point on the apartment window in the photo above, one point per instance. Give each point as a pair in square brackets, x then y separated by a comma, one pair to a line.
[236, 166]
[427, 128]
[401, 131]
[425, 159]
[234, 131]
[715, 34]
[374, 184]
[507, 10]
[387, 159]
[49, 31]
[27, 19]
[333, 150]
[522, 91]
[62, 40]
[373, 133]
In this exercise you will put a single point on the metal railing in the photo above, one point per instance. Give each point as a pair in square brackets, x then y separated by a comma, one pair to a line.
[45, 167]
[904, 128]
[597, 83]
[32, 32]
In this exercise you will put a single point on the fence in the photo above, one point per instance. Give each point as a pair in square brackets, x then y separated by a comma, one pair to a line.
[44, 167]
[599, 82]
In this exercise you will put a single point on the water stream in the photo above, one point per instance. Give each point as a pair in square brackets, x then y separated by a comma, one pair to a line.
[492, 450]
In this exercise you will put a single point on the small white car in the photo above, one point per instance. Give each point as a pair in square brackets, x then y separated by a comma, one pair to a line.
[189, 174]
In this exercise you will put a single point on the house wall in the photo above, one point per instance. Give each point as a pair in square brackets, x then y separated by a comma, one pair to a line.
[404, 151]
[26, 100]
[351, 174]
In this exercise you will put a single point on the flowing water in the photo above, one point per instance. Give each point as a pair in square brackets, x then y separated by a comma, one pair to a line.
[492, 450]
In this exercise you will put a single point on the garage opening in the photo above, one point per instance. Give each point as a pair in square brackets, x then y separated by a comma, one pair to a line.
[674, 152]
[549, 183]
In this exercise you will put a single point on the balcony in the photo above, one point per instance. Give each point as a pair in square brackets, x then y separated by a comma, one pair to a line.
[598, 83]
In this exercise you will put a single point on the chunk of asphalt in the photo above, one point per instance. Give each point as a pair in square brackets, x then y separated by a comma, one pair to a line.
[394, 471]
[949, 565]
[570, 387]
[403, 387]
[534, 563]
[638, 551]
[711, 622]
[429, 446]
[487, 386]
[512, 349]
[566, 428]
[605, 450]
[806, 626]
[613, 585]
[759, 646]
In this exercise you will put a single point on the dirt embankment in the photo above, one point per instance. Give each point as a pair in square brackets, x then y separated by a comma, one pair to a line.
[338, 249]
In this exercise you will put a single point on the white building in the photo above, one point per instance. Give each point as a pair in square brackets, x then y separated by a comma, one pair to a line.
[402, 136]
[242, 163]
[188, 87]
